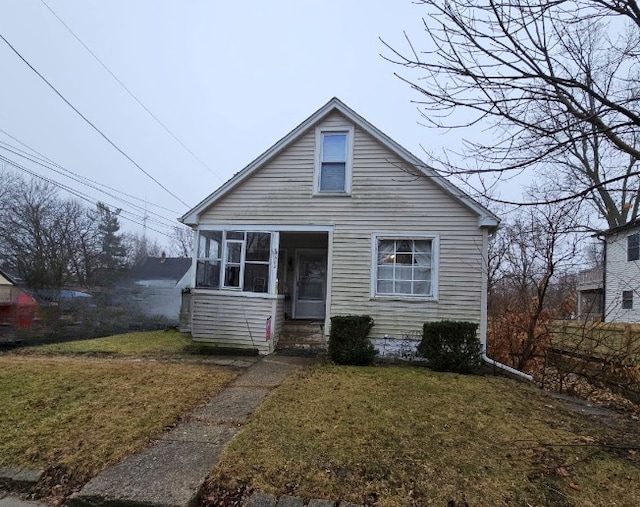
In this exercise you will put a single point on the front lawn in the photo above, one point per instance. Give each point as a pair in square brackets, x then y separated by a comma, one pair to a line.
[394, 436]
[146, 343]
[73, 416]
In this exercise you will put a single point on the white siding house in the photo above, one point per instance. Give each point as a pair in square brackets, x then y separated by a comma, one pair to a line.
[335, 219]
[622, 273]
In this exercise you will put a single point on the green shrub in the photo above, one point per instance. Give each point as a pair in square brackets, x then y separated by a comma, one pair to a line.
[349, 342]
[451, 346]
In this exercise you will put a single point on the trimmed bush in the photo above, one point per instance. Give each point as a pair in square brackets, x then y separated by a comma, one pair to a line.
[349, 342]
[451, 346]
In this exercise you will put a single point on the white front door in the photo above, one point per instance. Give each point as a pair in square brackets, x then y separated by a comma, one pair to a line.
[310, 284]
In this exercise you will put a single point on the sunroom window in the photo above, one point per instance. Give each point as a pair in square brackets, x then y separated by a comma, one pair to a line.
[209, 259]
[235, 260]
[404, 267]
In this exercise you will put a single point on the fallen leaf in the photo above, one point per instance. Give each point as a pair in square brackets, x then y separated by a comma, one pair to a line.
[573, 485]
[563, 472]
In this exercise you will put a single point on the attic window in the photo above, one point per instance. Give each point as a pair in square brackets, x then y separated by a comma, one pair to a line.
[333, 160]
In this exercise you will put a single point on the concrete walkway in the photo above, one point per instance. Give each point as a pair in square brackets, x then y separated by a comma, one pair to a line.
[171, 471]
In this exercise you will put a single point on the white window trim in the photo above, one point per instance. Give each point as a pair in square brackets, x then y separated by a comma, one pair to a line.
[348, 170]
[435, 264]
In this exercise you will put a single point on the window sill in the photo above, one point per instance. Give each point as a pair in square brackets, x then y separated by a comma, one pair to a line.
[236, 293]
[411, 299]
[331, 194]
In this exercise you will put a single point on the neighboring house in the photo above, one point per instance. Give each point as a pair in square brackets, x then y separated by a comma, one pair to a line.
[622, 273]
[153, 287]
[17, 309]
[335, 219]
[590, 288]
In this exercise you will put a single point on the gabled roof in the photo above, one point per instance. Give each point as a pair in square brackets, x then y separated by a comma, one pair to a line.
[9, 277]
[160, 268]
[486, 217]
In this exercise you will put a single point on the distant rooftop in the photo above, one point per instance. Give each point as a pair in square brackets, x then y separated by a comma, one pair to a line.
[161, 268]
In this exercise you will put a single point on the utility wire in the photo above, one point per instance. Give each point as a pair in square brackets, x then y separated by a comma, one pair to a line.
[42, 158]
[202, 163]
[164, 221]
[76, 193]
[90, 123]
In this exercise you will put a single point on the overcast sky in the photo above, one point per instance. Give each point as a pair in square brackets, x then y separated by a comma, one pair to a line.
[227, 78]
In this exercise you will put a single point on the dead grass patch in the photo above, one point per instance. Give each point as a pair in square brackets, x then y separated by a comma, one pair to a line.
[81, 414]
[405, 436]
[144, 343]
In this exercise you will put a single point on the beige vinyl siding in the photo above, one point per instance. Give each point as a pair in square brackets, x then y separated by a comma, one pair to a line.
[386, 196]
[4, 281]
[621, 275]
[234, 321]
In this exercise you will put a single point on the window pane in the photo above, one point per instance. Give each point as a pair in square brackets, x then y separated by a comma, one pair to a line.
[403, 288]
[422, 274]
[403, 272]
[232, 276]
[258, 246]
[404, 259]
[422, 288]
[209, 243]
[334, 148]
[386, 251]
[385, 287]
[235, 235]
[332, 177]
[385, 272]
[405, 246]
[234, 252]
[256, 277]
[208, 274]
[633, 247]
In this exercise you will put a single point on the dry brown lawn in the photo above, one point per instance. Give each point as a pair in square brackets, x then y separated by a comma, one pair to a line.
[394, 437]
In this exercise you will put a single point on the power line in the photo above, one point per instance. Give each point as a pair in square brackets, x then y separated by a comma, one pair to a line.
[131, 94]
[90, 123]
[23, 155]
[75, 192]
[42, 158]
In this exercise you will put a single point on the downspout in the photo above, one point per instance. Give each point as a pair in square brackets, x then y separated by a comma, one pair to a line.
[483, 315]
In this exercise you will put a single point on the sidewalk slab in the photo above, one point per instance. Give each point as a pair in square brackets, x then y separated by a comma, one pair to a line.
[12, 501]
[233, 405]
[171, 471]
[268, 372]
[167, 474]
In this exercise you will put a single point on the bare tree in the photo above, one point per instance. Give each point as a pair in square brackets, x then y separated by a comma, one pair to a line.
[556, 81]
[533, 257]
[182, 241]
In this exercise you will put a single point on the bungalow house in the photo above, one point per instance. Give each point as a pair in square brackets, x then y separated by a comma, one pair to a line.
[334, 219]
[622, 273]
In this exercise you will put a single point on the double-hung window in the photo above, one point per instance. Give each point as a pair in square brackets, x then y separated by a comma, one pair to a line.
[627, 299]
[404, 266]
[633, 247]
[237, 260]
[333, 160]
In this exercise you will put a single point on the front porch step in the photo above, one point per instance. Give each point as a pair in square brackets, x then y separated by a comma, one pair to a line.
[301, 335]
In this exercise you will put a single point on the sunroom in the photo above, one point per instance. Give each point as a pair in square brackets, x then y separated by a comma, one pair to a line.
[249, 279]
